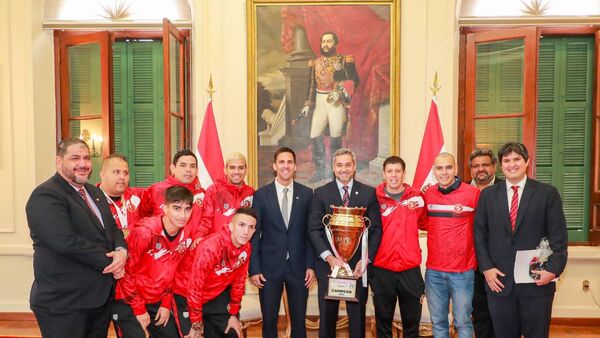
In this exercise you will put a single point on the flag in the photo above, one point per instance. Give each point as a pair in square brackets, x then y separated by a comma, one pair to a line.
[431, 146]
[210, 161]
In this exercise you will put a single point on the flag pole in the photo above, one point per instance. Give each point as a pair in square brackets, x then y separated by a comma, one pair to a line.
[435, 88]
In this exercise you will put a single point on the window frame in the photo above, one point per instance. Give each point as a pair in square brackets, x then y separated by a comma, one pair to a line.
[66, 38]
[469, 36]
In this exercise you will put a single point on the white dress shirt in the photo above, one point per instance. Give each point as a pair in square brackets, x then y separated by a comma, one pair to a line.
[510, 192]
[290, 195]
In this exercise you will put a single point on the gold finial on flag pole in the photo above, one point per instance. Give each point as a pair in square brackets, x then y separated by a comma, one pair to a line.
[211, 90]
[436, 87]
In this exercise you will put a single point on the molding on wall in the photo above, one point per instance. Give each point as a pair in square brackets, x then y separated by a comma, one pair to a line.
[16, 250]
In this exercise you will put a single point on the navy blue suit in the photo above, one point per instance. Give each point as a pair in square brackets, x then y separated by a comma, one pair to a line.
[361, 195]
[520, 308]
[270, 247]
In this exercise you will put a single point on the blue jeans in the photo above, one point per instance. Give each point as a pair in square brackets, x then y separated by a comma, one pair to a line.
[440, 287]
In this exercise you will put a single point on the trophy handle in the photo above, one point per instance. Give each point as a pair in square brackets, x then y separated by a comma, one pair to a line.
[367, 220]
[328, 217]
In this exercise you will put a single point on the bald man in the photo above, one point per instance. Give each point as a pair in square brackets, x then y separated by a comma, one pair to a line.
[122, 199]
[450, 248]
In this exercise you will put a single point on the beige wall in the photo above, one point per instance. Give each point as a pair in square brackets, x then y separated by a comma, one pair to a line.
[27, 117]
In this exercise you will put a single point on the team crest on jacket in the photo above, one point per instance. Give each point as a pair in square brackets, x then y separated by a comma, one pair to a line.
[458, 208]
[247, 202]
[225, 206]
[199, 198]
[383, 206]
[412, 205]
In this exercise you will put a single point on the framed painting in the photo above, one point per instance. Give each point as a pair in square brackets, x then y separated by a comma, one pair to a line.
[323, 75]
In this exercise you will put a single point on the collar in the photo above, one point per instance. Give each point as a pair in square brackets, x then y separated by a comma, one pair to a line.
[340, 185]
[451, 188]
[492, 182]
[279, 187]
[521, 184]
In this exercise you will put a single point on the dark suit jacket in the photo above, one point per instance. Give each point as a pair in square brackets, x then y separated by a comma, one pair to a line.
[272, 240]
[70, 246]
[540, 214]
[361, 196]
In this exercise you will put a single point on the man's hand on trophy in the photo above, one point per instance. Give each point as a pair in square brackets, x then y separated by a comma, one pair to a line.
[358, 271]
[334, 261]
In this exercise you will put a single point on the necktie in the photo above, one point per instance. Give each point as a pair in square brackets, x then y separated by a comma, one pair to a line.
[84, 196]
[346, 198]
[514, 206]
[284, 206]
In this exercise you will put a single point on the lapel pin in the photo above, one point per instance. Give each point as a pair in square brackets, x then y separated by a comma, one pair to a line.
[356, 193]
[297, 197]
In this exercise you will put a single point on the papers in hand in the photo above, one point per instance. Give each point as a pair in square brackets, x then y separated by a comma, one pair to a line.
[522, 261]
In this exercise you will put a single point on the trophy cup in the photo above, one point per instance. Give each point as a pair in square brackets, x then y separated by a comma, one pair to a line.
[344, 228]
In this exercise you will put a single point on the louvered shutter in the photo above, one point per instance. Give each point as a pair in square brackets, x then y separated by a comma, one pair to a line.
[146, 101]
[563, 137]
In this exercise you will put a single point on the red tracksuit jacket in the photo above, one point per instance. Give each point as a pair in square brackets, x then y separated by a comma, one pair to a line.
[154, 197]
[129, 205]
[399, 249]
[221, 202]
[151, 266]
[450, 243]
[218, 264]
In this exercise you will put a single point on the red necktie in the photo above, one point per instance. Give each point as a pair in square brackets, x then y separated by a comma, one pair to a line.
[514, 206]
[346, 198]
[84, 196]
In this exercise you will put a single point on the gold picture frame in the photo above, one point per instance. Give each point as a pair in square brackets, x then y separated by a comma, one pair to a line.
[284, 42]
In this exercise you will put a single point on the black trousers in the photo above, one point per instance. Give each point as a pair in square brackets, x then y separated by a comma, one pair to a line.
[127, 325]
[78, 323]
[270, 299]
[482, 321]
[514, 315]
[405, 286]
[215, 316]
[182, 314]
[328, 309]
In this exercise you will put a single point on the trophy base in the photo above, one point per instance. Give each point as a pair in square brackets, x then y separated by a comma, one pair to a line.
[342, 288]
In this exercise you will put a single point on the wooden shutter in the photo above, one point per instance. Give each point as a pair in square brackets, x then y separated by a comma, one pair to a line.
[138, 108]
[563, 137]
[147, 112]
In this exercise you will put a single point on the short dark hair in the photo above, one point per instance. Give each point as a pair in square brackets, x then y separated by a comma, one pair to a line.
[284, 150]
[513, 147]
[335, 37]
[482, 152]
[248, 212]
[394, 160]
[64, 144]
[184, 152]
[177, 194]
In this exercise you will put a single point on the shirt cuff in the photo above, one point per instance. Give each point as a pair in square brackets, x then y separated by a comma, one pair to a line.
[324, 255]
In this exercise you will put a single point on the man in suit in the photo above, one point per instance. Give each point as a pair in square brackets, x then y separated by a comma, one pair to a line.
[343, 191]
[281, 250]
[511, 217]
[78, 250]
[482, 164]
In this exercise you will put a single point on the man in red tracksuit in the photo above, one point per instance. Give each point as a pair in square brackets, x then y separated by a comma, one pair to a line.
[184, 170]
[219, 278]
[143, 297]
[220, 203]
[396, 270]
[227, 194]
[451, 259]
[124, 201]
